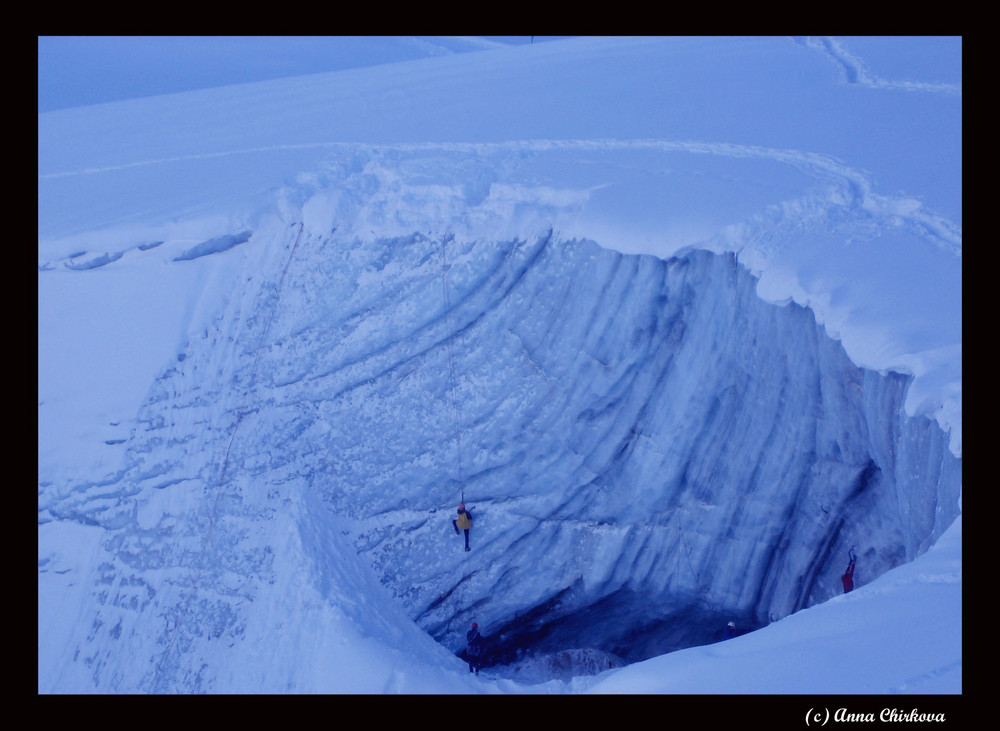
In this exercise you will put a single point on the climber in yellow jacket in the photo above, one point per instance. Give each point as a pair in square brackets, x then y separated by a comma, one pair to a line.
[463, 521]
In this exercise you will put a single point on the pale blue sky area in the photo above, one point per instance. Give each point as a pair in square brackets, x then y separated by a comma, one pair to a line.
[81, 70]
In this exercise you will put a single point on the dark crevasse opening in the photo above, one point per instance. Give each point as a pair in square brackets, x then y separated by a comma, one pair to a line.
[619, 629]
[649, 449]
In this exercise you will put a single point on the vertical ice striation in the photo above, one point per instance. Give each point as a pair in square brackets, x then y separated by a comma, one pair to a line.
[647, 448]
[640, 440]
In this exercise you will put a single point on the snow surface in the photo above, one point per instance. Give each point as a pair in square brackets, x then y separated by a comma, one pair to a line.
[831, 167]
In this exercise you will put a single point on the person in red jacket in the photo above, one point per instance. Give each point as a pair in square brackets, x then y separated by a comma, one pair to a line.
[474, 648]
[848, 577]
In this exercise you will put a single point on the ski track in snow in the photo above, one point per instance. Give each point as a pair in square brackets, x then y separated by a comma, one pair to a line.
[853, 187]
[856, 72]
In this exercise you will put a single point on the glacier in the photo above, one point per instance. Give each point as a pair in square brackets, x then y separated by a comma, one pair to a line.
[651, 444]
[601, 407]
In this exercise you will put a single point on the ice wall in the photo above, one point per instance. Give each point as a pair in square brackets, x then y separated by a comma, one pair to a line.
[638, 439]
[648, 450]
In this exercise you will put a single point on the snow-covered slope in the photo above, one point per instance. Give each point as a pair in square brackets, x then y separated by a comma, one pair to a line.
[284, 327]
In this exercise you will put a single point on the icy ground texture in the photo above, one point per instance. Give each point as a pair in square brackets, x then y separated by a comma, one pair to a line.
[691, 453]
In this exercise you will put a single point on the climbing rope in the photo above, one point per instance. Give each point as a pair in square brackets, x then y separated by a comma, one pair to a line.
[461, 595]
[445, 268]
[220, 482]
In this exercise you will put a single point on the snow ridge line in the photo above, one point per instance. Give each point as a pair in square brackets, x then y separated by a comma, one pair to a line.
[256, 362]
[173, 631]
[853, 184]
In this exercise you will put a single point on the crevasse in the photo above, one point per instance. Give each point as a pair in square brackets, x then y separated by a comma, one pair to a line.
[648, 449]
